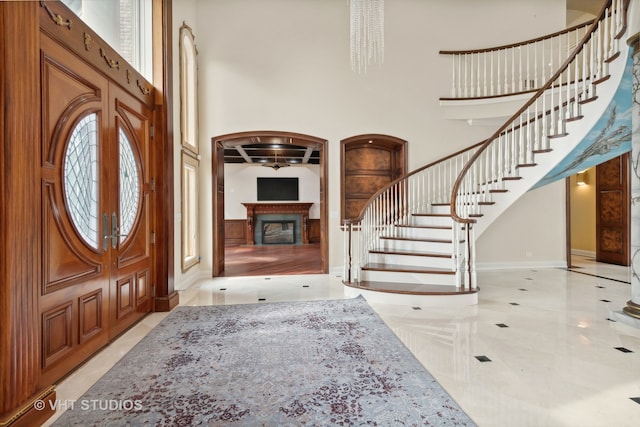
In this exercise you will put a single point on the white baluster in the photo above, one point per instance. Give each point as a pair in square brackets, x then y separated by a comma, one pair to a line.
[513, 70]
[506, 72]
[453, 78]
[466, 85]
[491, 54]
[485, 78]
[520, 75]
[479, 77]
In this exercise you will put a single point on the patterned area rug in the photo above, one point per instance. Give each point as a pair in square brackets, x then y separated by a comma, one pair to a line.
[274, 364]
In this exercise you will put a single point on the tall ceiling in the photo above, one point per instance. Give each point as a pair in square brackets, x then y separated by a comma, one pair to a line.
[279, 150]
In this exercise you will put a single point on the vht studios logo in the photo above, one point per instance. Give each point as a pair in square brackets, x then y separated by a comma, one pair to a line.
[89, 405]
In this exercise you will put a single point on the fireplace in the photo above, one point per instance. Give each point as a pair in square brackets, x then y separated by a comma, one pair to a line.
[295, 214]
[278, 232]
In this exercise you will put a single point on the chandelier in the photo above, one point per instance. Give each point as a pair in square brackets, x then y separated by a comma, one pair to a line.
[275, 165]
[367, 33]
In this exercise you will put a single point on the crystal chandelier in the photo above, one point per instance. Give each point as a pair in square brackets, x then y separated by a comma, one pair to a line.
[367, 33]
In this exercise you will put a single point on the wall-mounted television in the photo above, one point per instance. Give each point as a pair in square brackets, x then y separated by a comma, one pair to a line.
[282, 189]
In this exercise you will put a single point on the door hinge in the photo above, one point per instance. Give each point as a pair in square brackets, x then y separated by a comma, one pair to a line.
[153, 185]
[152, 130]
[153, 290]
[153, 237]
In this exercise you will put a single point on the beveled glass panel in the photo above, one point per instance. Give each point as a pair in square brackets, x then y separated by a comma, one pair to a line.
[81, 179]
[129, 186]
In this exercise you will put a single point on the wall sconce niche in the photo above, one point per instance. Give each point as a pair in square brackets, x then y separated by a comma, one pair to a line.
[582, 178]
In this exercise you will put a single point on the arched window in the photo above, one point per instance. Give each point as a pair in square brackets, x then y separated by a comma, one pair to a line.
[189, 142]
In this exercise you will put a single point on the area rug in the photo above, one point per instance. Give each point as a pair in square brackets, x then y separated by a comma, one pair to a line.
[271, 364]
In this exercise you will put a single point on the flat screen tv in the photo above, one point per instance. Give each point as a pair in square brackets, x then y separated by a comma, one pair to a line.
[277, 189]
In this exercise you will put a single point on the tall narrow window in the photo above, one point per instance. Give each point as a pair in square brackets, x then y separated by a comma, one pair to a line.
[190, 243]
[81, 183]
[188, 90]
[189, 143]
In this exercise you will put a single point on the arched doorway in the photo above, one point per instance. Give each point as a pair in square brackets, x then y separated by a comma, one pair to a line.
[262, 148]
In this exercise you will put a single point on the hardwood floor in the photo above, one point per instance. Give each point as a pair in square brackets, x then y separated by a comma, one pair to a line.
[265, 260]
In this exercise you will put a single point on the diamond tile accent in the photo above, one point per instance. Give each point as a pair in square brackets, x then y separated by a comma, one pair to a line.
[623, 349]
[502, 325]
[483, 358]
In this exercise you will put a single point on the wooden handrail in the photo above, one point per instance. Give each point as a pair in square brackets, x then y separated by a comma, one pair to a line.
[509, 46]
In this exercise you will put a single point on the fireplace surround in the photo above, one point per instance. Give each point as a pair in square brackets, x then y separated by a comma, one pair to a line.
[259, 213]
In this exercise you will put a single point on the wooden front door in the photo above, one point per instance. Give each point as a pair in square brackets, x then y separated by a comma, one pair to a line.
[96, 235]
[612, 211]
[129, 194]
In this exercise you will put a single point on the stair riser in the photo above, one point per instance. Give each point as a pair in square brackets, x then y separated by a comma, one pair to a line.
[432, 220]
[409, 260]
[389, 244]
[424, 233]
[441, 209]
[417, 278]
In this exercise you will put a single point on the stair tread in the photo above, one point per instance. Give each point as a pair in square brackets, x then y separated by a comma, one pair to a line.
[416, 239]
[432, 214]
[378, 266]
[409, 288]
[411, 253]
[434, 227]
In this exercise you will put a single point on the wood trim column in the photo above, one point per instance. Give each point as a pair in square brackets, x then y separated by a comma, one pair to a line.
[165, 295]
[20, 217]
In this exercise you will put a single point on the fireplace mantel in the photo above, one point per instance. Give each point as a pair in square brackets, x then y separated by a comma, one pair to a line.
[301, 208]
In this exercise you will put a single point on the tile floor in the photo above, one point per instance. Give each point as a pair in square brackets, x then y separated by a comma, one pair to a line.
[538, 349]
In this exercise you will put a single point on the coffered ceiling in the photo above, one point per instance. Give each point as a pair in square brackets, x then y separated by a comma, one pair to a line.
[271, 150]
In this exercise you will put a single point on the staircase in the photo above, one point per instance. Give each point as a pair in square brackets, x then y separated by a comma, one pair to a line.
[414, 242]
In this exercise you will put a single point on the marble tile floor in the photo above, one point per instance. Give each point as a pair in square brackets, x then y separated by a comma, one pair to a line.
[538, 349]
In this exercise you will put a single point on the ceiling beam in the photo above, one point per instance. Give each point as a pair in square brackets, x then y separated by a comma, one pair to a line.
[244, 154]
[307, 154]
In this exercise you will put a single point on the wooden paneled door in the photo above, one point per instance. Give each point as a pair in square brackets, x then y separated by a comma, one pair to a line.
[368, 163]
[612, 211]
[96, 186]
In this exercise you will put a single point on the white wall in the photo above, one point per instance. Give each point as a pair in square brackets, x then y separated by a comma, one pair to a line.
[241, 186]
[283, 65]
[530, 233]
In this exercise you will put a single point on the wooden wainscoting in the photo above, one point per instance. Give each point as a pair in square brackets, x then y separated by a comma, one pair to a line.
[235, 232]
[314, 230]
[235, 229]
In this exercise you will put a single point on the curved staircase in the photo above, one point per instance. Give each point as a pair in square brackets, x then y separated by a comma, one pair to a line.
[414, 242]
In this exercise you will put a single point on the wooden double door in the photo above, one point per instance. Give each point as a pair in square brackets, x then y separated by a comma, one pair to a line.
[96, 210]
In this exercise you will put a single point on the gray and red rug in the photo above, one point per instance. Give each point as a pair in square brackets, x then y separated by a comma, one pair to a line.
[273, 364]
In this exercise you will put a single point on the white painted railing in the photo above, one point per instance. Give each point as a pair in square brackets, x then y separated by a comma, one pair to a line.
[466, 179]
[514, 68]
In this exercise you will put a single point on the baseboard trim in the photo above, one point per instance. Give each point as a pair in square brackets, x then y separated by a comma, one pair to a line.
[34, 412]
[581, 252]
[485, 266]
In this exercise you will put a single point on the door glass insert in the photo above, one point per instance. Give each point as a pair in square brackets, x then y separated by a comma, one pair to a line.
[81, 179]
[129, 186]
